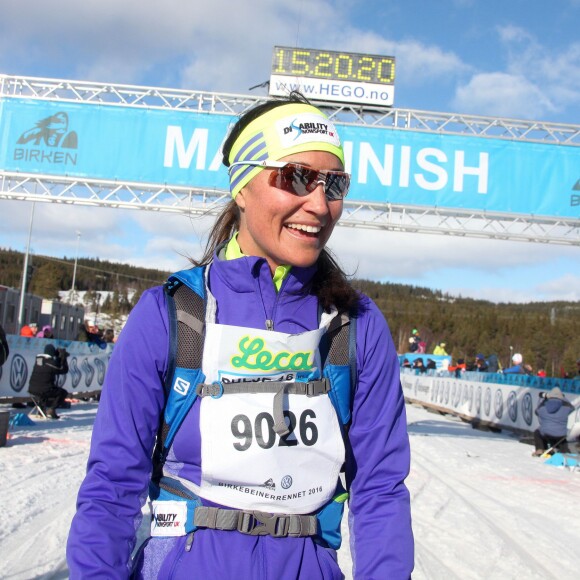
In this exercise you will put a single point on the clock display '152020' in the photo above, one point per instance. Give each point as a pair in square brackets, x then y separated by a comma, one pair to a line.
[332, 65]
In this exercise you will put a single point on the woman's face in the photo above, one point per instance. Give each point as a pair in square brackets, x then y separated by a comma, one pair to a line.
[274, 223]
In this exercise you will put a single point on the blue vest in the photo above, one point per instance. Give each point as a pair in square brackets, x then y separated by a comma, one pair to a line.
[186, 301]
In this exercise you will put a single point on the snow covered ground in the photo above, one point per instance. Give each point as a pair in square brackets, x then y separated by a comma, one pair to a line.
[483, 508]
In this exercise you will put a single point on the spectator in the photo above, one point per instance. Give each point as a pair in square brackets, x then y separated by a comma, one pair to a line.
[459, 368]
[431, 365]
[578, 368]
[414, 340]
[542, 373]
[480, 364]
[43, 385]
[90, 333]
[109, 335]
[418, 365]
[46, 332]
[4, 350]
[552, 412]
[440, 349]
[493, 365]
[527, 369]
[29, 330]
[518, 367]
[406, 364]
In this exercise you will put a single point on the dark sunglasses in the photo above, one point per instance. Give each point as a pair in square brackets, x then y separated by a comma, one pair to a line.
[301, 180]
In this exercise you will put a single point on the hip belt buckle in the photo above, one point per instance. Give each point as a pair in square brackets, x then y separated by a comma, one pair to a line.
[261, 523]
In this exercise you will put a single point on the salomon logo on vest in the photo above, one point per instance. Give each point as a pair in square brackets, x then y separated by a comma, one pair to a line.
[181, 386]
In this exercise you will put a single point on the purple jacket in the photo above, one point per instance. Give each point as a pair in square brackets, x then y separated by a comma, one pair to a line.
[102, 534]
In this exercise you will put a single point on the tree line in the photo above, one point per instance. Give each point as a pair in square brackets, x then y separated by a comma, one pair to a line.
[545, 333]
[47, 276]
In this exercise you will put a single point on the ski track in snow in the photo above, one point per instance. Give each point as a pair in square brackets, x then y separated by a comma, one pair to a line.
[483, 508]
[42, 467]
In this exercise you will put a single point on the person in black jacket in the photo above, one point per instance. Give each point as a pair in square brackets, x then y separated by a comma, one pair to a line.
[4, 350]
[552, 412]
[47, 367]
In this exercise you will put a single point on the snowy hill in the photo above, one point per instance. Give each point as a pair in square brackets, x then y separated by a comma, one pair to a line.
[483, 508]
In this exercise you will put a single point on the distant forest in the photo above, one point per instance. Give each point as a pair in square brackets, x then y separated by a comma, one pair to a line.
[546, 333]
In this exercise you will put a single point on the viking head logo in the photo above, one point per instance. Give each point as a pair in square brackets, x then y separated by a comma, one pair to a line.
[52, 132]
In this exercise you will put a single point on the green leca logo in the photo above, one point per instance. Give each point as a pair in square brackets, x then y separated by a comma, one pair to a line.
[254, 356]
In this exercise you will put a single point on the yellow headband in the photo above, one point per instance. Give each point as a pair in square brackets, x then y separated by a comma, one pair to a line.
[279, 132]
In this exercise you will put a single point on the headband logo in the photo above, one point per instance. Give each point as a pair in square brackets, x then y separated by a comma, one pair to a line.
[308, 128]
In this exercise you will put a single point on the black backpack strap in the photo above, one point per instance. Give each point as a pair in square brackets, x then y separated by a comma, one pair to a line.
[338, 346]
[190, 315]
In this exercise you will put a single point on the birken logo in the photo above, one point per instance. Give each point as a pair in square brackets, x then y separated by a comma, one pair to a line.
[254, 356]
[50, 141]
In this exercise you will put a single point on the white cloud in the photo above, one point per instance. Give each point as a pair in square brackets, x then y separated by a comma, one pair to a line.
[543, 65]
[538, 80]
[123, 41]
[566, 287]
[488, 269]
[502, 95]
[219, 45]
[495, 270]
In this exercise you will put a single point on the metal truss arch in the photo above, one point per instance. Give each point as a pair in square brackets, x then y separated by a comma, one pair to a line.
[205, 202]
[200, 202]
[211, 102]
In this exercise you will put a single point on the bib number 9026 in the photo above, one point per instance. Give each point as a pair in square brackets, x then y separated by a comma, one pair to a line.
[263, 430]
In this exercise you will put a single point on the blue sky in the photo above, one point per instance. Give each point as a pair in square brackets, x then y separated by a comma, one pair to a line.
[510, 58]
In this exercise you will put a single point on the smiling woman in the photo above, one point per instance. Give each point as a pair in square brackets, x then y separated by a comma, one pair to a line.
[279, 404]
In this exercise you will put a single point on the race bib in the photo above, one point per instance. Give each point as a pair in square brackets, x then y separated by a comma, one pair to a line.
[245, 464]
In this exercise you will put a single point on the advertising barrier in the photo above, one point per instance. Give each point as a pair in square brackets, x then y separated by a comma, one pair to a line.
[87, 366]
[501, 405]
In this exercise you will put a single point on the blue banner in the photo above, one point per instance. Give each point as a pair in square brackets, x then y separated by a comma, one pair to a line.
[183, 148]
